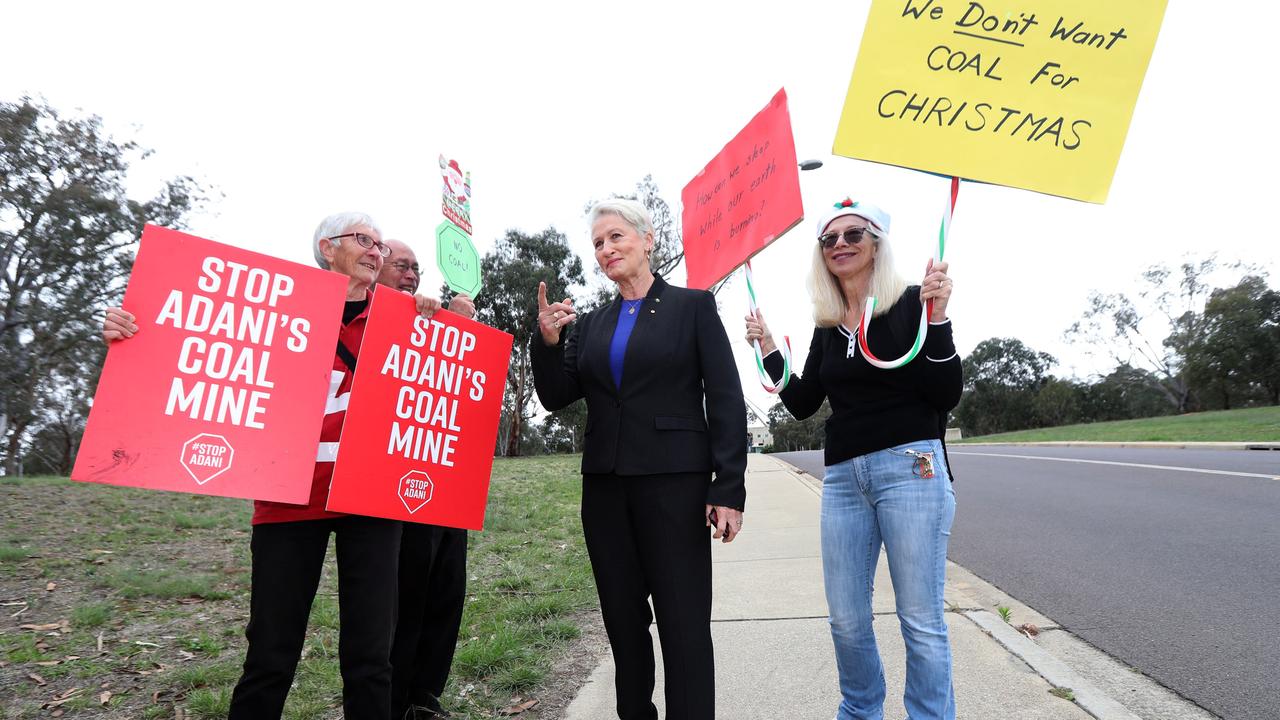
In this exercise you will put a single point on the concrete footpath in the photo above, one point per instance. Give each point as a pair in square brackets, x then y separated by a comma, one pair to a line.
[774, 657]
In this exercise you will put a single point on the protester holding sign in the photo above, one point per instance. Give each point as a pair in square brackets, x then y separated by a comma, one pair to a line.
[289, 541]
[400, 270]
[647, 363]
[433, 569]
[887, 477]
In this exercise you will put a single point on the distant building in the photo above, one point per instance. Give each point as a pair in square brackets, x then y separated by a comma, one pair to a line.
[760, 437]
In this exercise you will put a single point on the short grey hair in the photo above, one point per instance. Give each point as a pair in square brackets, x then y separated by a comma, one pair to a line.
[337, 224]
[634, 213]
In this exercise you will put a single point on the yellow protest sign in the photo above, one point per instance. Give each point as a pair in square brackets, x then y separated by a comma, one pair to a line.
[1035, 94]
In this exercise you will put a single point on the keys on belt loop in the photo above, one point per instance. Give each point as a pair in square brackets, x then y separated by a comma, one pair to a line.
[923, 466]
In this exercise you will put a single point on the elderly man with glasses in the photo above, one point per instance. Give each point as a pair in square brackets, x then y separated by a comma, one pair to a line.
[289, 542]
[433, 569]
[400, 270]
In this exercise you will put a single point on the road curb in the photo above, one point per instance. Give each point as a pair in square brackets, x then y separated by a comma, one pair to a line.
[1150, 444]
[1057, 673]
[809, 481]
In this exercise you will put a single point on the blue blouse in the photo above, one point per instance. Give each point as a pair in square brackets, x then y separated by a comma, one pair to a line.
[618, 345]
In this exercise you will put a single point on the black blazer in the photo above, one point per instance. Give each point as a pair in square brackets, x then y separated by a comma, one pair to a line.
[680, 408]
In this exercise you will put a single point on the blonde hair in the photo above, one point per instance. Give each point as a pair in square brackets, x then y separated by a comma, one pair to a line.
[829, 302]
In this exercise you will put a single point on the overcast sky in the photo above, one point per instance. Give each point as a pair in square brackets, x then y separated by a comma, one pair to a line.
[296, 111]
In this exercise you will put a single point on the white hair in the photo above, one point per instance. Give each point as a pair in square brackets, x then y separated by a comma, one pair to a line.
[634, 213]
[829, 302]
[338, 224]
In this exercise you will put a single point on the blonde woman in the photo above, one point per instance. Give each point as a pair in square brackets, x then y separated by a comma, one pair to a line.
[887, 479]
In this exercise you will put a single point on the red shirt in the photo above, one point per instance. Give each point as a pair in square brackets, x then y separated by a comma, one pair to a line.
[335, 412]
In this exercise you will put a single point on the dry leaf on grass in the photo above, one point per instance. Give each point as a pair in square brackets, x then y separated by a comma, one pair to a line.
[65, 697]
[42, 627]
[517, 707]
[50, 586]
[38, 680]
[104, 697]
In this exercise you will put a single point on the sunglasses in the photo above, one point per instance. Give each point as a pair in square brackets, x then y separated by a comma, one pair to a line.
[852, 236]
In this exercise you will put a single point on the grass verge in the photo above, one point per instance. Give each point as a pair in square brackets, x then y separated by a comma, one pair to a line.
[144, 595]
[1248, 425]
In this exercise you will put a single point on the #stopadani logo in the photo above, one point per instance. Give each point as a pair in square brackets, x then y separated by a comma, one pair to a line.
[415, 490]
[206, 456]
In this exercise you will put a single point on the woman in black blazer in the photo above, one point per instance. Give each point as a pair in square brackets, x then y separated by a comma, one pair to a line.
[664, 412]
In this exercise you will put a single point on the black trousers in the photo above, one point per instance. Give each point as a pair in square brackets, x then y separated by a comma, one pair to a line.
[647, 536]
[287, 561]
[433, 589]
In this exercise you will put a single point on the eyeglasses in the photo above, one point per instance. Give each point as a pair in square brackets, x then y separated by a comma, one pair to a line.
[852, 236]
[366, 241]
[405, 267]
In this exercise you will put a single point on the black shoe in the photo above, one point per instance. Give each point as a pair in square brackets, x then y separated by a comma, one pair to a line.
[430, 709]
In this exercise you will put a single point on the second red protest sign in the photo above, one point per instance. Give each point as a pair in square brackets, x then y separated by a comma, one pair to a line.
[417, 443]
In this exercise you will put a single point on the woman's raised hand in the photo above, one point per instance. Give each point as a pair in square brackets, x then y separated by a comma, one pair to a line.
[553, 317]
[937, 287]
[758, 330]
[118, 324]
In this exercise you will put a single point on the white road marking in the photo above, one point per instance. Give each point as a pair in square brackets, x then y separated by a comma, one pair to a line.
[1122, 464]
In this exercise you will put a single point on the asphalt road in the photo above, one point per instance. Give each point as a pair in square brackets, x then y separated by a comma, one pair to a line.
[1174, 572]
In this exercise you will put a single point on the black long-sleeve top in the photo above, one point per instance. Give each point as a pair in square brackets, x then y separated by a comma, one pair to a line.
[874, 409]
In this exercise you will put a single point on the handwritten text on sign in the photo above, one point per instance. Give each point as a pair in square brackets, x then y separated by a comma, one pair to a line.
[222, 389]
[418, 439]
[744, 199]
[1031, 95]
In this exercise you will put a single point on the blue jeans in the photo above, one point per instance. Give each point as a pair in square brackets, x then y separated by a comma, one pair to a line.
[887, 496]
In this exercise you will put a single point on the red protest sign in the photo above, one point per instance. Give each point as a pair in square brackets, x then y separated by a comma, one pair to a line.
[222, 389]
[417, 442]
[744, 199]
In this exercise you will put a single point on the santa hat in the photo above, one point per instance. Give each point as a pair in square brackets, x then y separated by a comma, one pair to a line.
[877, 218]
